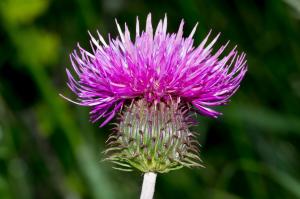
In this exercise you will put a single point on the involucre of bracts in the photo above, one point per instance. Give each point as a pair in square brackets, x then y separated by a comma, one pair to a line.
[153, 138]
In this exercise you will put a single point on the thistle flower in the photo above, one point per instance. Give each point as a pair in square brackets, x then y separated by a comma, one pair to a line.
[155, 82]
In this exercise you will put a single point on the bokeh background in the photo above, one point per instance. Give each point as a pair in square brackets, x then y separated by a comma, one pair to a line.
[48, 148]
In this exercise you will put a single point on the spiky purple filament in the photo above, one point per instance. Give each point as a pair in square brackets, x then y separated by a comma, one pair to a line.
[156, 66]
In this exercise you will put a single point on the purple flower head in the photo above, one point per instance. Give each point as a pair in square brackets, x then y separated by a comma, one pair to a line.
[155, 66]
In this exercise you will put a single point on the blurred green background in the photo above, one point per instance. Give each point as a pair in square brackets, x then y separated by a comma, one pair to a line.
[48, 148]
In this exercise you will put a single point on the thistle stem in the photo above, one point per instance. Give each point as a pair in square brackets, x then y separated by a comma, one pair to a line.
[148, 185]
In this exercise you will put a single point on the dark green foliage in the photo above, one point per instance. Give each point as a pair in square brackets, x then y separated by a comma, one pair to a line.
[49, 149]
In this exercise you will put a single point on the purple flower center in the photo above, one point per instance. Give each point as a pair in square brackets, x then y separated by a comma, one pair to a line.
[155, 66]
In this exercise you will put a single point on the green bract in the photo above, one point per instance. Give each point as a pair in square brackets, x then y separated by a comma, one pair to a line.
[153, 137]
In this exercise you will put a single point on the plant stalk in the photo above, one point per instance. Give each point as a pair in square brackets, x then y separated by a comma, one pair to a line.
[148, 185]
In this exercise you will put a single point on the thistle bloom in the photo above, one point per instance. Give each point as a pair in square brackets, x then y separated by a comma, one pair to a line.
[155, 82]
